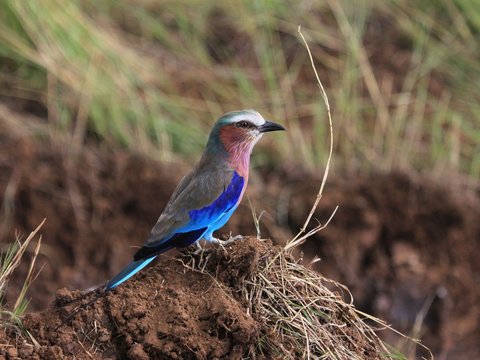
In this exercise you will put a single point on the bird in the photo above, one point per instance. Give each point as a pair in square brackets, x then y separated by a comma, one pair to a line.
[205, 199]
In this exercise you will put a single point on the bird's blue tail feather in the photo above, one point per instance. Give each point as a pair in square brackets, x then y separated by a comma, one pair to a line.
[128, 272]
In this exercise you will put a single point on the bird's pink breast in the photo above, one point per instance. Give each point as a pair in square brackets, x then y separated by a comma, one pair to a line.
[239, 147]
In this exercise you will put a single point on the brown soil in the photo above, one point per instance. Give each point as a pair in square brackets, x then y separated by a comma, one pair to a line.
[402, 245]
[168, 312]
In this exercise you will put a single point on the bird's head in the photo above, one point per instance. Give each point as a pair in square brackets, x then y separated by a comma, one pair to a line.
[237, 132]
[241, 129]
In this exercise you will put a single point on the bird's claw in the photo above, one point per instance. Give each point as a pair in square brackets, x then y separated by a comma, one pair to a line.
[224, 243]
[199, 248]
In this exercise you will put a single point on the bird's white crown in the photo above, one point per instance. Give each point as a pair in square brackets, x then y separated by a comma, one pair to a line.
[251, 116]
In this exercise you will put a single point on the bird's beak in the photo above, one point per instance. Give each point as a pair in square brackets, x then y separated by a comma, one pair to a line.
[270, 126]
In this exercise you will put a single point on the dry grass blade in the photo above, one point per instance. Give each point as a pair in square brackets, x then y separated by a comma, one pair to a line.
[299, 239]
[9, 262]
[21, 302]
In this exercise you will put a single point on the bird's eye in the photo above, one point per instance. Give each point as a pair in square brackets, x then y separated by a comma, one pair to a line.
[243, 124]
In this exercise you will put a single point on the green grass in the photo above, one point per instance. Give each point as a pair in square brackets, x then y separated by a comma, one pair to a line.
[402, 76]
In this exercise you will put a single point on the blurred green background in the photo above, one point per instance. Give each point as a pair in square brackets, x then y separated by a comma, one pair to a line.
[403, 76]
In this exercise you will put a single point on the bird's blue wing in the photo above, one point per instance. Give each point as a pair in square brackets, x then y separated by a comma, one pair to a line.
[191, 215]
[224, 203]
[198, 220]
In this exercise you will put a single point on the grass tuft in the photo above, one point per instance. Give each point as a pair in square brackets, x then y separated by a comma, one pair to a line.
[9, 262]
[302, 315]
[309, 320]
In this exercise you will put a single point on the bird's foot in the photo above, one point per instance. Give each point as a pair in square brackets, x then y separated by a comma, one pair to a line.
[199, 248]
[224, 243]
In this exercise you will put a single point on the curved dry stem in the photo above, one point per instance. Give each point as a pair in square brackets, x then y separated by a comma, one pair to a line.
[299, 239]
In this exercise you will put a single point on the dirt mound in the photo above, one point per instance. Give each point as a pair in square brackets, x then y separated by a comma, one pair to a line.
[185, 308]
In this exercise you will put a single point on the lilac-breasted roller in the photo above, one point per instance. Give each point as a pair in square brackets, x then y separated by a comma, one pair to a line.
[205, 199]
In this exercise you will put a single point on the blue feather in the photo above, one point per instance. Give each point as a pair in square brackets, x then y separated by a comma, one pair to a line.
[224, 203]
[128, 272]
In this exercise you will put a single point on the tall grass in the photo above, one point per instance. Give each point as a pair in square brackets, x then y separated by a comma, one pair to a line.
[152, 76]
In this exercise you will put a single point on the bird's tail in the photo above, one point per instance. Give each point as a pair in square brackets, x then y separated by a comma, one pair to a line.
[128, 272]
